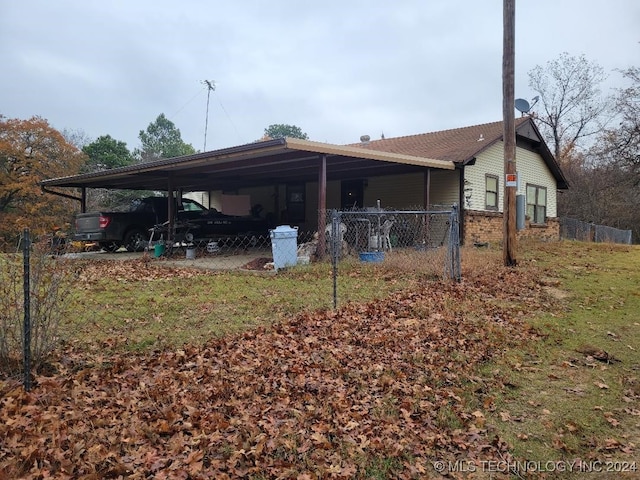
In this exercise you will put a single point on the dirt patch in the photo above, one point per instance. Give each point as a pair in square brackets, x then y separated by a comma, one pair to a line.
[259, 263]
[556, 293]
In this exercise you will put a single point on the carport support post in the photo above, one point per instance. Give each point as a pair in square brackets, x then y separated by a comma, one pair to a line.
[427, 189]
[83, 200]
[322, 205]
[170, 211]
[427, 201]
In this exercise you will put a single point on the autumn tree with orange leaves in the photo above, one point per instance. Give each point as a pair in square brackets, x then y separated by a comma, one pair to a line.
[30, 151]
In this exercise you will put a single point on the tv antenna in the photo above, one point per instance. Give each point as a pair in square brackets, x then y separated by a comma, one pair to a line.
[211, 86]
[523, 106]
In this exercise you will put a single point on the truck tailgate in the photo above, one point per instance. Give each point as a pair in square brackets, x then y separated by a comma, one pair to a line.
[87, 222]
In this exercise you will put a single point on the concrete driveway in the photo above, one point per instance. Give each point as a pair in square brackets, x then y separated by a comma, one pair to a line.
[234, 260]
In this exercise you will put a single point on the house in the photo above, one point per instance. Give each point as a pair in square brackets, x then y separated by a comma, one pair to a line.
[295, 181]
[478, 180]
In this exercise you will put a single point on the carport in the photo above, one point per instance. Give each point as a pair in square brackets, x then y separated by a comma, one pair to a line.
[262, 163]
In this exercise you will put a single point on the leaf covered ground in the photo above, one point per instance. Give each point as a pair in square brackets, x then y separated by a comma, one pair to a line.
[372, 390]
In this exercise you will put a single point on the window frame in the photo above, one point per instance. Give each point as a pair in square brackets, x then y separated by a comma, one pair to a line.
[534, 219]
[487, 206]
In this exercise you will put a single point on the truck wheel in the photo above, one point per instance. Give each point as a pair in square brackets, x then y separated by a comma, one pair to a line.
[110, 247]
[135, 240]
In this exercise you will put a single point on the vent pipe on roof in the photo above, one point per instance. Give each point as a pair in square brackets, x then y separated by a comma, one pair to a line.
[365, 139]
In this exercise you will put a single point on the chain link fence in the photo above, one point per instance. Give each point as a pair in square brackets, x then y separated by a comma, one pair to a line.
[413, 237]
[35, 285]
[37, 278]
[572, 229]
[407, 239]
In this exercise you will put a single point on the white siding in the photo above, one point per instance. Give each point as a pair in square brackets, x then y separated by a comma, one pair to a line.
[490, 161]
[532, 169]
[445, 187]
[200, 197]
[408, 190]
[529, 165]
[395, 191]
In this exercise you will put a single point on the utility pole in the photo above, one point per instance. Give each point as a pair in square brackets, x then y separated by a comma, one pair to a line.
[510, 180]
[211, 86]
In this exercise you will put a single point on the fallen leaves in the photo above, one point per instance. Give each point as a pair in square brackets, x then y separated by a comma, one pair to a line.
[596, 353]
[323, 395]
[128, 271]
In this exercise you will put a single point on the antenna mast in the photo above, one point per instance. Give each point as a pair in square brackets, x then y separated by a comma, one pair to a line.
[211, 86]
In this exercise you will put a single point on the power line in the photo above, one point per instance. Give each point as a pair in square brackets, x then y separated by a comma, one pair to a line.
[227, 114]
[184, 106]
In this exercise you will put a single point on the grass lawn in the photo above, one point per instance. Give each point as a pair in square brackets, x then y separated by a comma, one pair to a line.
[176, 370]
[575, 394]
[141, 304]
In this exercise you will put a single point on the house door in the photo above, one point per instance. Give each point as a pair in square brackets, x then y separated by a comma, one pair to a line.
[296, 202]
[352, 194]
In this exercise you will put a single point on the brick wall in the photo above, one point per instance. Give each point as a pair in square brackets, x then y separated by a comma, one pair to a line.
[484, 227]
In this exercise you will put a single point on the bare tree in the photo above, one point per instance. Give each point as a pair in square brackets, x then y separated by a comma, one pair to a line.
[621, 145]
[76, 137]
[572, 106]
[604, 179]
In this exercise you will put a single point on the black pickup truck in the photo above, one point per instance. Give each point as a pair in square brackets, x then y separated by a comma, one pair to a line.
[131, 229]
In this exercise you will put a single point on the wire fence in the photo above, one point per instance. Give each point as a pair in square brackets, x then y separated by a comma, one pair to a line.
[35, 288]
[409, 241]
[429, 239]
[572, 229]
[39, 273]
[409, 238]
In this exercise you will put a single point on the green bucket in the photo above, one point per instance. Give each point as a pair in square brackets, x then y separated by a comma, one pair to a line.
[158, 250]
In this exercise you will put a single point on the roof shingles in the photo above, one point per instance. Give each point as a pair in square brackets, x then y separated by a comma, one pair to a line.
[457, 145]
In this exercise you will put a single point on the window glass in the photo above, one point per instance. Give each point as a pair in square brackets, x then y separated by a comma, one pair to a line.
[531, 210]
[491, 192]
[191, 206]
[536, 204]
[542, 196]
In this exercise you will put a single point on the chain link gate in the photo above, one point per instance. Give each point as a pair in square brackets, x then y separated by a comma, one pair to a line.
[376, 234]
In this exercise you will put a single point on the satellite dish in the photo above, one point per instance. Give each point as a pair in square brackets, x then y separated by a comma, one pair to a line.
[522, 105]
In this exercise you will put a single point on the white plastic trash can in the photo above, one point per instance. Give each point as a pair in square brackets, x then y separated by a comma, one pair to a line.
[284, 246]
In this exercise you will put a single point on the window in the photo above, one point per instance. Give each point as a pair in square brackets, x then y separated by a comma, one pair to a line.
[191, 206]
[536, 204]
[491, 192]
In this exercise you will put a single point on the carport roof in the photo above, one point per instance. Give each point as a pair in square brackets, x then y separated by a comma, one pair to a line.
[260, 163]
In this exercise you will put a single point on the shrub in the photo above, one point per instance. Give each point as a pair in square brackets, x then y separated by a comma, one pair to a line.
[50, 280]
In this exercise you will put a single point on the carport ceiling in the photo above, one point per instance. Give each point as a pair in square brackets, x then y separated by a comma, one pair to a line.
[261, 163]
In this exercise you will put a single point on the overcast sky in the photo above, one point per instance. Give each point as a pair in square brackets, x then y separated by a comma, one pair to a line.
[336, 69]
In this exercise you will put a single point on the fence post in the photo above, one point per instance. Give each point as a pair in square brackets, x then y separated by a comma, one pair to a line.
[335, 245]
[26, 338]
[453, 250]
